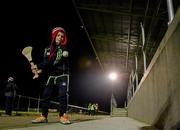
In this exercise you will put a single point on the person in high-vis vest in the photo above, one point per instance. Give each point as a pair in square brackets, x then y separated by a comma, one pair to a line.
[93, 109]
[89, 108]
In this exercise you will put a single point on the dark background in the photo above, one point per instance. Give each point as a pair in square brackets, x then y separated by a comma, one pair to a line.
[29, 24]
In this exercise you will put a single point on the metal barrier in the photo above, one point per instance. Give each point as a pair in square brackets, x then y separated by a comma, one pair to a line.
[29, 104]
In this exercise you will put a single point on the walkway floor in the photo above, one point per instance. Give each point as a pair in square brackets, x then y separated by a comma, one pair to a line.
[109, 123]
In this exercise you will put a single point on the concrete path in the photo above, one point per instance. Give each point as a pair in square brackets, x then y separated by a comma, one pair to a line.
[111, 123]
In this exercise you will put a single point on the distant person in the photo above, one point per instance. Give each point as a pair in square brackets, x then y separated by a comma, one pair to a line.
[89, 109]
[92, 109]
[55, 67]
[96, 108]
[10, 94]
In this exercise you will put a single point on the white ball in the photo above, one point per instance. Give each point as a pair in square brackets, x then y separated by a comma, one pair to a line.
[65, 54]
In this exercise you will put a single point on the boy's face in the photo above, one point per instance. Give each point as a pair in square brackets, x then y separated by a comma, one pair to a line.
[59, 38]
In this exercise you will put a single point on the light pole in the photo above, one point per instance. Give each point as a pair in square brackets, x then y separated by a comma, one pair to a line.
[112, 76]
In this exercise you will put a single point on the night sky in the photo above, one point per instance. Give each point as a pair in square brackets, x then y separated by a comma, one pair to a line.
[29, 24]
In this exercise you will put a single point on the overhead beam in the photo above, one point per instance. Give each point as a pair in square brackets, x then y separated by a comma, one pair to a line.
[129, 34]
[92, 45]
[115, 12]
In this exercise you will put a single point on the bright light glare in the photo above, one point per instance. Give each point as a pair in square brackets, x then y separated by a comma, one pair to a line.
[113, 76]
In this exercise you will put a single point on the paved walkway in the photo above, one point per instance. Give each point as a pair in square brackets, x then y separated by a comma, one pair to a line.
[111, 123]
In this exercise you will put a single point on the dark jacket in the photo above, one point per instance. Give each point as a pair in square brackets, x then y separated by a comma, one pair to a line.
[55, 66]
[10, 89]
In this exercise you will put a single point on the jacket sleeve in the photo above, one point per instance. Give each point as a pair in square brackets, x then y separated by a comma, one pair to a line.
[46, 62]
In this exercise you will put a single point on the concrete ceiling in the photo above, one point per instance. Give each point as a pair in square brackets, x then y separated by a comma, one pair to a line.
[114, 30]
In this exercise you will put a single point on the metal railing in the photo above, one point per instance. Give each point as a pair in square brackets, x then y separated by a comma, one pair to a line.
[29, 104]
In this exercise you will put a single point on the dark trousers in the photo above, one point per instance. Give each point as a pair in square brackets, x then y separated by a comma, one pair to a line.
[59, 85]
[9, 105]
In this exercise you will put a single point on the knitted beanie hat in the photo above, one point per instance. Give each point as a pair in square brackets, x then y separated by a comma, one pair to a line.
[10, 79]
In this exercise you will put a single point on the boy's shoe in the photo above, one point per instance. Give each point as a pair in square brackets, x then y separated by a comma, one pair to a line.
[40, 119]
[64, 119]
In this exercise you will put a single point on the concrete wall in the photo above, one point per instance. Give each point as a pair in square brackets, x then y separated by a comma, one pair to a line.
[157, 98]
